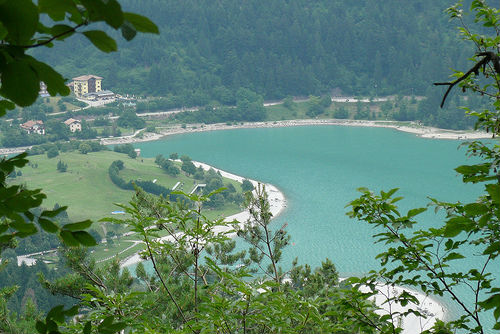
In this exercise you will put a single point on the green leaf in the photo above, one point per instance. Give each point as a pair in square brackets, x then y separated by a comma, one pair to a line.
[474, 209]
[101, 40]
[113, 14]
[48, 225]
[84, 238]
[61, 30]
[41, 327]
[141, 23]
[128, 31]
[491, 302]
[3, 31]
[3, 228]
[72, 311]
[20, 82]
[57, 9]
[494, 191]
[113, 328]
[453, 256]
[68, 239]
[24, 227]
[55, 81]
[78, 226]
[56, 313]
[109, 11]
[4, 239]
[53, 213]
[456, 225]
[6, 105]
[20, 18]
[493, 248]
[414, 212]
[87, 328]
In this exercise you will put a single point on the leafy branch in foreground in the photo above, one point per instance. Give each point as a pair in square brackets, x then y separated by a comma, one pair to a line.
[24, 25]
[425, 259]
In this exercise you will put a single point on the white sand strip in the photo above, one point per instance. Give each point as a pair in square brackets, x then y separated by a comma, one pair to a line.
[411, 324]
[276, 199]
[411, 127]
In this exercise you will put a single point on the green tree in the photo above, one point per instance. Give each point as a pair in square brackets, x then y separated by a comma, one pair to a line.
[62, 167]
[246, 185]
[130, 120]
[188, 167]
[288, 103]
[22, 29]
[52, 152]
[341, 112]
[423, 258]
[315, 106]
[84, 148]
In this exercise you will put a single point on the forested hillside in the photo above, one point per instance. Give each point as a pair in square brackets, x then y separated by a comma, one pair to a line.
[208, 49]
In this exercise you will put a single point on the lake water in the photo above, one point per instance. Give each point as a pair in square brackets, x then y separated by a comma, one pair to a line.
[319, 168]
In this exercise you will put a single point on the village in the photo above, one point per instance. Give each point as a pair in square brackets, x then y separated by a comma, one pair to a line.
[85, 88]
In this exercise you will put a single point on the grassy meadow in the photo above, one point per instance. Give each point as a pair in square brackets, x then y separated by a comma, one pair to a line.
[86, 187]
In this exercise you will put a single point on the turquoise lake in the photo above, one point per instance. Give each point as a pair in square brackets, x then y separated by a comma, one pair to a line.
[319, 168]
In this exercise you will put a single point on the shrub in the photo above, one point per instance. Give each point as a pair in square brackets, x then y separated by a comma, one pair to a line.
[62, 167]
[52, 152]
[246, 185]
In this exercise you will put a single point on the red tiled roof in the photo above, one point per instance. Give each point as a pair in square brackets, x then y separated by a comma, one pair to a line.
[71, 120]
[30, 124]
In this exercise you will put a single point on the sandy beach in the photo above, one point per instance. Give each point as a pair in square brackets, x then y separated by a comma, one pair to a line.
[410, 127]
[411, 324]
[276, 199]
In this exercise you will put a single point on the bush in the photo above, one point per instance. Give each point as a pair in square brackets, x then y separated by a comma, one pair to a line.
[62, 167]
[52, 152]
[126, 149]
[288, 103]
[84, 148]
[188, 167]
[341, 113]
[246, 185]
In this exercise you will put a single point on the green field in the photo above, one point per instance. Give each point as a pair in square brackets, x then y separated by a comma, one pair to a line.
[86, 187]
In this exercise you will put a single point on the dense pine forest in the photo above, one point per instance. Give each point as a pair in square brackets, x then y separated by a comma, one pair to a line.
[206, 50]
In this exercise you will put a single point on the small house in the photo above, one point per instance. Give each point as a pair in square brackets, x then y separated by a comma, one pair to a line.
[73, 124]
[33, 127]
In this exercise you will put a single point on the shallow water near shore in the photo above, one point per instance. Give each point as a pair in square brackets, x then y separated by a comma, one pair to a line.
[318, 168]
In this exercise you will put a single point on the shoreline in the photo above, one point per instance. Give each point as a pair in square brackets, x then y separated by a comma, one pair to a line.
[411, 323]
[408, 127]
[276, 198]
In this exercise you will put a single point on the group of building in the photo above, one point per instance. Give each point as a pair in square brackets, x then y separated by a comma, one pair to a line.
[38, 127]
[89, 87]
[86, 87]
